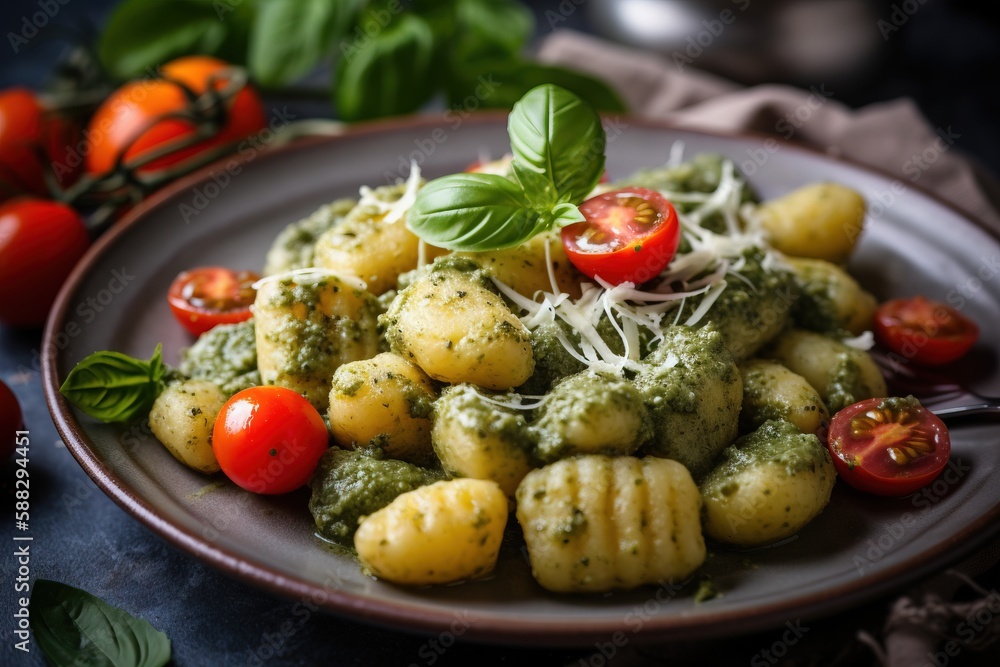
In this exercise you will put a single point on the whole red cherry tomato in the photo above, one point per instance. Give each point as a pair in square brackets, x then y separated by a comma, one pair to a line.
[33, 141]
[132, 120]
[40, 243]
[204, 297]
[628, 235]
[269, 439]
[11, 421]
[888, 446]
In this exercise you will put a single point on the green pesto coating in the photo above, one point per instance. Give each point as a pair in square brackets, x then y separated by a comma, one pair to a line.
[348, 485]
[294, 247]
[693, 391]
[591, 413]
[225, 355]
[816, 308]
[750, 315]
[775, 441]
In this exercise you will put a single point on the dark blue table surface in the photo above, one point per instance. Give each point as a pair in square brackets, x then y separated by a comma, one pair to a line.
[82, 538]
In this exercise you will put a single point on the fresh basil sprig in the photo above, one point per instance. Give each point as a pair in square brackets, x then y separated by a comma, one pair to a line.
[115, 387]
[73, 627]
[558, 145]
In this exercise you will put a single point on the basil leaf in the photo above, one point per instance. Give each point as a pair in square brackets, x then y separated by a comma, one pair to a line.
[490, 28]
[115, 387]
[558, 145]
[388, 75]
[564, 214]
[473, 212]
[290, 38]
[145, 33]
[72, 627]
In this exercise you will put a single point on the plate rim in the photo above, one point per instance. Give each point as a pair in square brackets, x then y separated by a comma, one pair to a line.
[417, 618]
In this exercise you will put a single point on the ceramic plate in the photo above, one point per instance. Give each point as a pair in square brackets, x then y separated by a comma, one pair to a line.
[228, 214]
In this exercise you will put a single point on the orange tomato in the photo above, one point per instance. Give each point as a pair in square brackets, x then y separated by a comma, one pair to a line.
[134, 119]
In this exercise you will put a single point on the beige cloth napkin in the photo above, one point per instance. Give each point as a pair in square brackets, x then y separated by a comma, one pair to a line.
[892, 136]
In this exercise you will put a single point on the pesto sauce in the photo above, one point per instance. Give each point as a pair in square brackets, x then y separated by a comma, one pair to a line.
[350, 484]
[778, 442]
[225, 355]
[294, 247]
[816, 309]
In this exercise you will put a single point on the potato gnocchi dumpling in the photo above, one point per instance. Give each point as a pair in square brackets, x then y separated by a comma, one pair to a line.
[693, 391]
[476, 437]
[841, 374]
[307, 326]
[295, 246]
[597, 523]
[830, 300]
[182, 418]
[821, 220]
[385, 402]
[771, 391]
[452, 325]
[768, 486]
[436, 534]
[591, 413]
[525, 269]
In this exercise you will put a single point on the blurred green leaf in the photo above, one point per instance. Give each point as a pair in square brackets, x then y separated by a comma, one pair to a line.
[490, 28]
[289, 37]
[145, 33]
[386, 73]
[510, 79]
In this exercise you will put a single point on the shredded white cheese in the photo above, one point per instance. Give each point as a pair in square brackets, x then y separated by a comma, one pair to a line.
[864, 342]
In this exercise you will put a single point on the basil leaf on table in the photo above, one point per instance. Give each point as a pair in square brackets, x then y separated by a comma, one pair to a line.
[145, 33]
[558, 145]
[388, 75]
[115, 387]
[472, 212]
[72, 627]
[289, 38]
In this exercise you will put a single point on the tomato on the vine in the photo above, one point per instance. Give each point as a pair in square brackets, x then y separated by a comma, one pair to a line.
[211, 295]
[888, 446]
[33, 141]
[269, 439]
[11, 421]
[135, 119]
[928, 332]
[629, 235]
[40, 243]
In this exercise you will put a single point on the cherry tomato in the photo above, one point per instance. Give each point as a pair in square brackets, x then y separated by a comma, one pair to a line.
[889, 447]
[40, 243]
[205, 297]
[928, 332]
[33, 141]
[128, 120]
[11, 421]
[629, 235]
[269, 439]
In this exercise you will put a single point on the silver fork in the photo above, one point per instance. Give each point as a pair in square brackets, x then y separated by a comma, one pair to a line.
[945, 397]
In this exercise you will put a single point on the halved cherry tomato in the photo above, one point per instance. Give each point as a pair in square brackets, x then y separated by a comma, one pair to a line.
[11, 421]
[205, 297]
[269, 439]
[133, 118]
[928, 332]
[629, 235]
[888, 446]
[40, 243]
